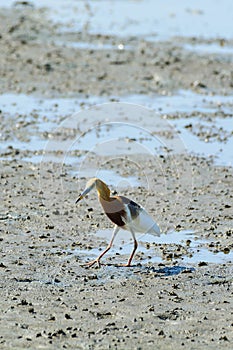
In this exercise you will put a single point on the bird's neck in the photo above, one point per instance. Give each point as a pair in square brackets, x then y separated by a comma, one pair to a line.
[103, 190]
[103, 195]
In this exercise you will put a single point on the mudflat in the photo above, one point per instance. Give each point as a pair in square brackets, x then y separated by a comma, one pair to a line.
[178, 293]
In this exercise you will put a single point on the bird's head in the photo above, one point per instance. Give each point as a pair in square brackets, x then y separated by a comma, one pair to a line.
[89, 186]
[102, 188]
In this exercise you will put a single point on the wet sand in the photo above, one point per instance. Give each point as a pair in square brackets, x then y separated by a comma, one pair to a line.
[176, 295]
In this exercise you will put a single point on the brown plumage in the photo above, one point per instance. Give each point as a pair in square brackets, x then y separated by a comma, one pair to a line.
[114, 208]
[123, 212]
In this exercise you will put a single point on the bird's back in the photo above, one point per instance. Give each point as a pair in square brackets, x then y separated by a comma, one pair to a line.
[127, 214]
[138, 219]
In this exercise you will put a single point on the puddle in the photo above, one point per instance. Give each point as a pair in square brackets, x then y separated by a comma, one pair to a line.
[82, 45]
[111, 177]
[52, 108]
[43, 116]
[158, 20]
[126, 138]
[219, 128]
[194, 252]
[40, 115]
[218, 146]
[209, 48]
[122, 136]
[184, 101]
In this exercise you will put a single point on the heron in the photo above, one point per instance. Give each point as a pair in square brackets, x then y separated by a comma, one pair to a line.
[124, 213]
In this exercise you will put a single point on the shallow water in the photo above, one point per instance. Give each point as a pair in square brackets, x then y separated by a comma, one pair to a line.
[184, 101]
[210, 48]
[82, 45]
[195, 248]
[111, 138]
[155, 20]
[43, 115]
[111, 177]
[221, 150]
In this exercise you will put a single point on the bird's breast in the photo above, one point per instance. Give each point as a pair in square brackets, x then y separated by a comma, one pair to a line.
[114, 209]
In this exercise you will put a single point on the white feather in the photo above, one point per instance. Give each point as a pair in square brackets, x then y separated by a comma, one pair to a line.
[143, 223]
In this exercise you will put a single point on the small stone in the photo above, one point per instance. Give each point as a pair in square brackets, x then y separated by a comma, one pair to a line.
[161, 333]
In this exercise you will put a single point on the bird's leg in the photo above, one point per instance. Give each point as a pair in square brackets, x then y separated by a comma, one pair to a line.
[134, 249]
[97, 260]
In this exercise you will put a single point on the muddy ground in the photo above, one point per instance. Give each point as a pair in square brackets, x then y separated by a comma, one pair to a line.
[49, 299]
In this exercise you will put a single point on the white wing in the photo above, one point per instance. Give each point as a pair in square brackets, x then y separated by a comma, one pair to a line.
[143, 223]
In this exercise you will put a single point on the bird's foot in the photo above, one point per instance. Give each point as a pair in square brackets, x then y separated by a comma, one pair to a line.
[93, 262]
[125, 265]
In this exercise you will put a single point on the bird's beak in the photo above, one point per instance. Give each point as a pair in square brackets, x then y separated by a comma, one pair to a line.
[79, 199]
[83, 194]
